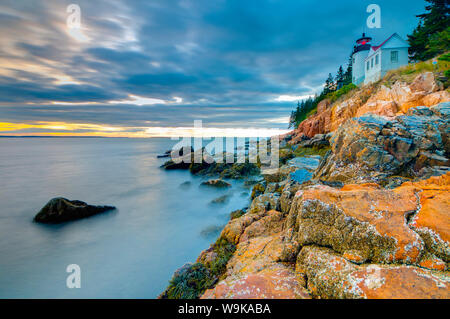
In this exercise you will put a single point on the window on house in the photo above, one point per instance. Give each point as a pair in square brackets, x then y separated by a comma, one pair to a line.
[368, 65]
[371, 63]
[377, 59]
[353, 61]
[394, 56]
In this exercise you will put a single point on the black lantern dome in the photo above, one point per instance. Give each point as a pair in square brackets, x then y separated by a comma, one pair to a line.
[363, 44]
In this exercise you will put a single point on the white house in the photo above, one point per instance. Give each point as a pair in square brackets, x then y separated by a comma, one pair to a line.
[371, 63]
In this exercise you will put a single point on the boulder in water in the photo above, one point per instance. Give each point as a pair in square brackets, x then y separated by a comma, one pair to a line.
[59, 210]
[216, 183]
[221, 200]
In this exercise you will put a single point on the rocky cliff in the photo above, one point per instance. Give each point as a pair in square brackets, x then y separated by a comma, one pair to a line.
[369, 219]
[379, 99]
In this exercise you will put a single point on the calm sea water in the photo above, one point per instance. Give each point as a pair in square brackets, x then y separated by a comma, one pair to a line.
[129, 253]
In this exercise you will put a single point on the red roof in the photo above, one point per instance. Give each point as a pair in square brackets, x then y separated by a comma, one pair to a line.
[375, 48]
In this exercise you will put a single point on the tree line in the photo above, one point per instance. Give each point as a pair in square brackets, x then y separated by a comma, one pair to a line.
[342, 80]
[432, 35]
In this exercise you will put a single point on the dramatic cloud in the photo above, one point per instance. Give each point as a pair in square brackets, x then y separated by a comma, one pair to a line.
[145, 63]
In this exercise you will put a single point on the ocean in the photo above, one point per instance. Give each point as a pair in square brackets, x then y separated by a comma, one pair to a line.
[161, 222]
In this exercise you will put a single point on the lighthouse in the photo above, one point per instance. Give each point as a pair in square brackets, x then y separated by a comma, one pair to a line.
[372, 62]
[359, 55]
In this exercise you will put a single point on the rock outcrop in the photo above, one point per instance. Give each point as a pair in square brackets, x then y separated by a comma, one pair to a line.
[358, 230]
[254, 272]
[59, 210]
[379, 100]
[332, 276]
[373, 148]
[360, 241]
[367, 223]
[371, 219]
[272, 283]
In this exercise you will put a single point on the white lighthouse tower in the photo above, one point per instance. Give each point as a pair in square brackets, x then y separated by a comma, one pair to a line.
[359, 55]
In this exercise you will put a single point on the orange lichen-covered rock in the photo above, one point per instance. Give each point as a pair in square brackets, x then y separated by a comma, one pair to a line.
[268, 225]
[378, 282]
[382, 108]
[436, 98]
[278, 282]
[347, 109]
[366, 222]
[425, 82]
[236, 227]
[259, 247]
[354, 257]
[433, 263]
[432, 221]
[255, 254]
[364, 219]
[316, 124]
[255, 272]
[331, 276]
[370, 231]
[323, 106]
[423, 91]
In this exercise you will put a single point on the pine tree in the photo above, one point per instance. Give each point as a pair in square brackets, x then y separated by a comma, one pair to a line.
[340, 78]
[437, 19]
[439, 43]
[292, 120]
[299, 112]
[425, 41]
[329, 85]
[349, 73]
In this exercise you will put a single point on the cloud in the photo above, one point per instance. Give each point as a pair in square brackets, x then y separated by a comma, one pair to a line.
[292, 98]
[165, 63]
[140, 101]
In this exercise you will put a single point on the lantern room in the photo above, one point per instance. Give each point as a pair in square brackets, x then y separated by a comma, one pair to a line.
[363, 43]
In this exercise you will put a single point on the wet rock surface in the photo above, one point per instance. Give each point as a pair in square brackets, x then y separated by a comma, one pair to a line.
[59, 210]
[200, 162]
[217, 183]
[221, 200]
[372, 148]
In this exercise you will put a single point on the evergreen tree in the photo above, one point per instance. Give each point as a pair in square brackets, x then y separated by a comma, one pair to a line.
[348, 74]
[292, 120]
[303, 109]
[340, 78]
[439, 43]
[329, 85]
[437, 19]
[425, 41]
[299, 112]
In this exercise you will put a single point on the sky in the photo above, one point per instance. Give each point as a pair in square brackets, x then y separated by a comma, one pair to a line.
[142, 68]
